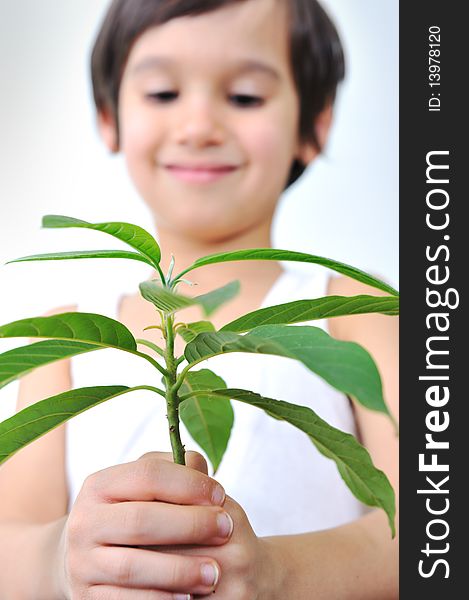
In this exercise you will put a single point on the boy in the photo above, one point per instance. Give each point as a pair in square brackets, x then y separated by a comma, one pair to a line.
[216, 108]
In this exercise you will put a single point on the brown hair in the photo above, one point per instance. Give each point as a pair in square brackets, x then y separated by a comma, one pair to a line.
[316, 54]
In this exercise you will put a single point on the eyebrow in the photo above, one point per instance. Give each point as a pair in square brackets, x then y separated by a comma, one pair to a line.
[152, 63]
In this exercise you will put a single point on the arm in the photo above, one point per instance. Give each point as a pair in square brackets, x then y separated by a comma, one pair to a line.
[33, 499]
[358, 560]
[30, 548]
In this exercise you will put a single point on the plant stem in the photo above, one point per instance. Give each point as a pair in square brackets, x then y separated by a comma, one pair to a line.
[172, 398]
[182, 375]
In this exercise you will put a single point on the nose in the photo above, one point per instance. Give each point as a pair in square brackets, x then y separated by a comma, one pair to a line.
[199, 124]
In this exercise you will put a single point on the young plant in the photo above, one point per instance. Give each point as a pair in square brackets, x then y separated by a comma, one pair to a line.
[200, 397]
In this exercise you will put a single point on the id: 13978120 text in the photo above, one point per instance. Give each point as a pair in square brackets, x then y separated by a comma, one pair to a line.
[434, 68]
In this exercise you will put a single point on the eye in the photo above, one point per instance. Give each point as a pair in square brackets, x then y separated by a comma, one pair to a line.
[246, 100]
[162, 97]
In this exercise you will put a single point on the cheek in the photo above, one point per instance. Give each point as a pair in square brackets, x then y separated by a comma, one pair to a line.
[271, 144]
[260, 140]
[273, 136]
[137, 137]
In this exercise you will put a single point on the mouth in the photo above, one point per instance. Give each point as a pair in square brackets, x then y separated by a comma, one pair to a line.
[207, 173]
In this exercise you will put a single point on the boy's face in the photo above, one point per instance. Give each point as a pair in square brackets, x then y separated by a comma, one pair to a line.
[208, 116]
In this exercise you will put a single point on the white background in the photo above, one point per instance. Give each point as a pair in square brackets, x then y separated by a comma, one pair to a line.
[52, 161]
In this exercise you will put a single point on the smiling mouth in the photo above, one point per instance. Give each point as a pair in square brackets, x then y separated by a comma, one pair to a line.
[200, 174]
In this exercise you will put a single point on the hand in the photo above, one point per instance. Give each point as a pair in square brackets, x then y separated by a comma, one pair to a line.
[251, 568]
[148, 502]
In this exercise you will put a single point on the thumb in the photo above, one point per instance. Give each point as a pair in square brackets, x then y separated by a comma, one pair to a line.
[196, 461]
[193, 459]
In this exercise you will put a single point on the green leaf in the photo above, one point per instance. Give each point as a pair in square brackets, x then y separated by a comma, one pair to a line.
[43, 416]
[83, 254]
[20, 361]
[345, 365]
[190, 331]
[170, 302]
[208, 418]
[164, 299]
[81, 327]
[213, 300]
[287, 255]
[133, 235]
[319, 308]
[366, 482]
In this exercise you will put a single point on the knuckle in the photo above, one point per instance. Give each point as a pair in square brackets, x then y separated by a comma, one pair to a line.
[123, 570]
[92, 483]
[156, 455]
[72, 568]
[148, 471]
[134, 520]
[238, 557]
[77, 569]
[147, 456]
[74, 527]
[203, 488]
[195, 526]
[81, 526]
[176, 573]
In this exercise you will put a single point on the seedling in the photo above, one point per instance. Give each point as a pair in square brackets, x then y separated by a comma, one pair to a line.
[200, 398]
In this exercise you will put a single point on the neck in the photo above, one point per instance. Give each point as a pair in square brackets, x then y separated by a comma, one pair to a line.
[186, 250]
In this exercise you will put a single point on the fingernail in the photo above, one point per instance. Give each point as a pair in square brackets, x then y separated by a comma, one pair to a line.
[225, 524]
[209, 573]
[218, 496]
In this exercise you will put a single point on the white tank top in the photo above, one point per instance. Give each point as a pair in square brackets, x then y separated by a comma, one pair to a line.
[270, 468]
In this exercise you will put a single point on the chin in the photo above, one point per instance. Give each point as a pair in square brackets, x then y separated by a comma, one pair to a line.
[209, 232]
[211, 223]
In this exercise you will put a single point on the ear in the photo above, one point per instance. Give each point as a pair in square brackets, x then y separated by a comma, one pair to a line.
[307, 151]
[108, 130]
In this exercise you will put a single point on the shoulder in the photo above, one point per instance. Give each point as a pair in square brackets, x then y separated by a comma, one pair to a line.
[298, 284]
[61, 309]
[49, 379]
[379, 335]
[346, 286]
[359, 328]
[59, 370]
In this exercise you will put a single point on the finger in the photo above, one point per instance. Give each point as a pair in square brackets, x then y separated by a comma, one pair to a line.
[154, 479]
[146, 569]
[193, 459]
[157, 454]
[154, 523]
[110, 592]
[196, 461]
